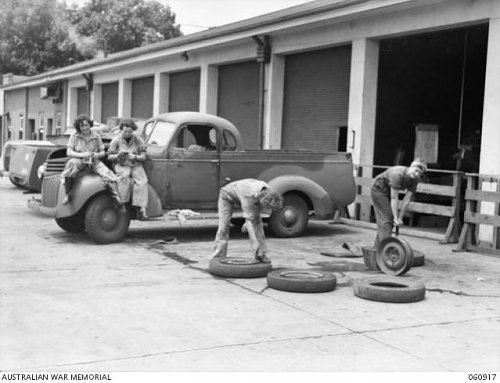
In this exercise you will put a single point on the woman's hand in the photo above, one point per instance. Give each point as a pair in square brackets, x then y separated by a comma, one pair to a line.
[87, 155]
[397, 222]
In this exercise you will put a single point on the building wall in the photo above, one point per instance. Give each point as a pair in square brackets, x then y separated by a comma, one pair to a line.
[15, 108]
[372, 22]
[41, 110]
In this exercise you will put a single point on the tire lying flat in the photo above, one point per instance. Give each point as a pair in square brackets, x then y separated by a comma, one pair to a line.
[418, 258]
[238, 267]
[387, 289]
[302, 281]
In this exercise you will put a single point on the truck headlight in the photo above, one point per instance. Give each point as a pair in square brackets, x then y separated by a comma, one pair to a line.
[41, 171]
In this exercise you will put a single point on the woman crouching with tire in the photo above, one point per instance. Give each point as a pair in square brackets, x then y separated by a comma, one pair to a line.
[86, 150]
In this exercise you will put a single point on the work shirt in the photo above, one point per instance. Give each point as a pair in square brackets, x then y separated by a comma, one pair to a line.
[246, 193]
[395, 177]
[80, 143]
[134, 146]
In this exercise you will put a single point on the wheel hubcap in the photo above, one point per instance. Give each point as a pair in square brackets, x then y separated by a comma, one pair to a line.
[289, 216]
[109, 219]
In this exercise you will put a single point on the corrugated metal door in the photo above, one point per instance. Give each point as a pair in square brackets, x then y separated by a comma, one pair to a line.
[316, 98]
[184, 92]
[83, 101]
[238, 99]
[142, 97]
[109, 103]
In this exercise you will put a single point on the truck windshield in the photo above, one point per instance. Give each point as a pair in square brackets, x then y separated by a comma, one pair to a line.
[162, 133]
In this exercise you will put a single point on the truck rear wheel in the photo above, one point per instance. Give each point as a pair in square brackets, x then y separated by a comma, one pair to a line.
[291, 220]
[73, 224]
[15, 183]
[103, 222]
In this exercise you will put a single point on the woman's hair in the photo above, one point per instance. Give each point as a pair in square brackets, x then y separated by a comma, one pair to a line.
[80, 119]
[129, 123]
[419, 163]
[270, 199]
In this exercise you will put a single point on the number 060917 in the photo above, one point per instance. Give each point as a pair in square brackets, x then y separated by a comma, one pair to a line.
[482, 376]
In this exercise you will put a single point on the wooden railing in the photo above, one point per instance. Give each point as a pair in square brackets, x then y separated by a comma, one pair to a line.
[450, 193]
[482, 207]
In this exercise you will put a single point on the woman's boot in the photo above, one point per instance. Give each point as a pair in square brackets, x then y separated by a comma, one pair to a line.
[113, 190]
[68, 186]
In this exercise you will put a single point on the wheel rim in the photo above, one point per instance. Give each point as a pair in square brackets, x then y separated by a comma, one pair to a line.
[301, 274]
[393, 255]
[109, 219]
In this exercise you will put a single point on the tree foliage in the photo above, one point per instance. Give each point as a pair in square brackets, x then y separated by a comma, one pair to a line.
[40, 35]
[34, 37]
[118, 25]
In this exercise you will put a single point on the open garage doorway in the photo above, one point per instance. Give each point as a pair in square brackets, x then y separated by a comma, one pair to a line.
[434, 82]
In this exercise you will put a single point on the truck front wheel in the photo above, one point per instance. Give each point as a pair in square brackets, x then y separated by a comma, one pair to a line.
[73, 224]
[103, 222]
[291, 220]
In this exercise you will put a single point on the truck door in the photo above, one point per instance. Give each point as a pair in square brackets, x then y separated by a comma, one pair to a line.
[193, 168]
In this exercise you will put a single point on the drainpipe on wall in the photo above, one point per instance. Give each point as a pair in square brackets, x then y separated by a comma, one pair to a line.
[263, 58]
[89, 85]
[25, 126]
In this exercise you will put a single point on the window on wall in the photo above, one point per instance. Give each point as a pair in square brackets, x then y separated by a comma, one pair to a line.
[31, 134]
[58, 123]
[41, 125]
[21, 127]
[49, 126]
[9, 128]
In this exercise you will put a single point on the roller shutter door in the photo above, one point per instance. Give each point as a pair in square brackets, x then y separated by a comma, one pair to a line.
[238, 99]
[184, 91]
[316, 98]
[83, 101]
[142, 97]
[109, 104]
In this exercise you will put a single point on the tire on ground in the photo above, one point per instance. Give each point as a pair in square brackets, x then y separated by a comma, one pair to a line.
[302, 281]
[387, 289]
[238, 267]
[291, 220]
[73, 224]
[103, 222]
[418, 258]
[15, 183]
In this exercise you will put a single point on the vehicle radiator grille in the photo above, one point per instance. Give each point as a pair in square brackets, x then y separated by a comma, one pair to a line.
[55, 166]
[50, 187]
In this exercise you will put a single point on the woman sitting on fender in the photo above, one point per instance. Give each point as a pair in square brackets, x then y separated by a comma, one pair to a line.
[86, 150]
[128, 152]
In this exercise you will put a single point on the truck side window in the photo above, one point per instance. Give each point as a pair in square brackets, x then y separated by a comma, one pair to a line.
[147, 129]
[162, 133]
[200, 138]
[184, 139]
[229, 141]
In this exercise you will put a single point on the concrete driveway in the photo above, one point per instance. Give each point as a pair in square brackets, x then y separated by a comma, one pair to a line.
[149, 304]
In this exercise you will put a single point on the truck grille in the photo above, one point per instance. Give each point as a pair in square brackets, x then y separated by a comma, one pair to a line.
[50, 188]
[55, 166]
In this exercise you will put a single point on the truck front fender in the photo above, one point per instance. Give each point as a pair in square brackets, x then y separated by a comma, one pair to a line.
[318, 196]
[84, 188]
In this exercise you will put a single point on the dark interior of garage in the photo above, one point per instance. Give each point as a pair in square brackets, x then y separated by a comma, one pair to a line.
[435, 79]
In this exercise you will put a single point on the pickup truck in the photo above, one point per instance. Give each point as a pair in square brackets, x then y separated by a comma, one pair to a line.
[190, 156]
